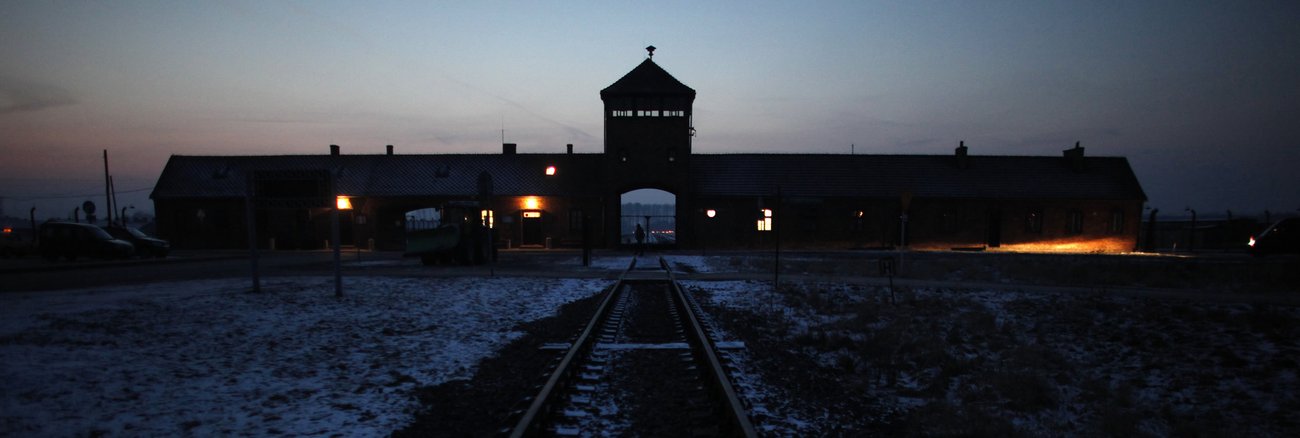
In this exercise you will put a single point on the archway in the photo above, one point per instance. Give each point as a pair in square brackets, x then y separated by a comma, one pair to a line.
[654, 210]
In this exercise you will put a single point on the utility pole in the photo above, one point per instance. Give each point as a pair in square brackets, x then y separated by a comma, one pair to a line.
[108, 188]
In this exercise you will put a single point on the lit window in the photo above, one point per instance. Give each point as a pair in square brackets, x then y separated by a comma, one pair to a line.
[343, 203]
[488, 218]
[532, 214]
[550, 170]
[765, 224]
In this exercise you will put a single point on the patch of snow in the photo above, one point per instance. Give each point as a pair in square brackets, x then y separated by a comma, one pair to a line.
[210, 358]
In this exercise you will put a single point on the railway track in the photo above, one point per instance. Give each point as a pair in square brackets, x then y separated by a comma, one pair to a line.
[645, 364]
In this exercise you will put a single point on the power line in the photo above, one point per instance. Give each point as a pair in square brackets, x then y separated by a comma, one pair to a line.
[37, 198]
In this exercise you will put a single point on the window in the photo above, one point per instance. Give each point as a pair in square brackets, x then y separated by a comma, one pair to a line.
[1116, 221]
[1074, 222]
[488, 218]
[622, 113]
[765, 222]
[1034, 221]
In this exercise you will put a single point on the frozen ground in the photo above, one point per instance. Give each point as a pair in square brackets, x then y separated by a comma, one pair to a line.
[208, 358]
[937, 361]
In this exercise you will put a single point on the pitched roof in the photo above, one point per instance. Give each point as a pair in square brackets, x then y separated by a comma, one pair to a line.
[931, 176]
[380, 175]
[723, 175]
[647, 78]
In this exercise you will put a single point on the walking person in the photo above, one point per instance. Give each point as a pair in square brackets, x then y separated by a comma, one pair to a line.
[640, 240]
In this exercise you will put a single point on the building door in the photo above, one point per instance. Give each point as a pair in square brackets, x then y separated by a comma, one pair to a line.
[532, 229]
[995, 228]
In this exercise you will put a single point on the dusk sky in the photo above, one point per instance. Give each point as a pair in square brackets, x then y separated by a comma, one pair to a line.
[1202, 97]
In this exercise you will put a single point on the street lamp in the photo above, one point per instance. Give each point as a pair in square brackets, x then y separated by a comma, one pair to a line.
[123, 215]
[340, 203]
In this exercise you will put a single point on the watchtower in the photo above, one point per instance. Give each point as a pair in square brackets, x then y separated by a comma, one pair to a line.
[648, 128]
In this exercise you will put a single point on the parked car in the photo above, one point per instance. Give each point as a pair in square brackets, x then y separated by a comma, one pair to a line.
[1282, 237]
[14, 244]
[72, 240]
[145, 246]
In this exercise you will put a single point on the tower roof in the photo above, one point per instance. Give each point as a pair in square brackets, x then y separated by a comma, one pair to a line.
[647, 78]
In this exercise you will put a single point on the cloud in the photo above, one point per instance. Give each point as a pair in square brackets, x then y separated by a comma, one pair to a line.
[17, 95]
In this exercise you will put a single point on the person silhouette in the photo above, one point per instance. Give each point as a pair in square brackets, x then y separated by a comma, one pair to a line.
[640, 240]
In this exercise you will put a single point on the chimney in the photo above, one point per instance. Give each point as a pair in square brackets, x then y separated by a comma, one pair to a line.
[962, 160]
[509, 148]
[1074, 157]
[334, 150]
[569, 148]
[390, 149]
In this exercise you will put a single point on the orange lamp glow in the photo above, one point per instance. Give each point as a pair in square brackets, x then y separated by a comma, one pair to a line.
[532, 203]
[9, 230]
[343, 203]
[550, 170]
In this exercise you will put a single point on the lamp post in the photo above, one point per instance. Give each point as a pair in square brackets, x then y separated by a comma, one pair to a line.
[340, 203]
[1191, 234]
[122, 217]
[708, 227]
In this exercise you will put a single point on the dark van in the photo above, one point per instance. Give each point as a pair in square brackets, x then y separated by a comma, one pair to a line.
[1282, 237]
[72, 240]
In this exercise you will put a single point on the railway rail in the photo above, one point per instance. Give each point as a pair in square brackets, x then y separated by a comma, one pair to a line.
[645, 361]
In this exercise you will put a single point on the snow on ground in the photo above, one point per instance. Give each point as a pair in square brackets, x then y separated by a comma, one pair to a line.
[208, 358]
[1045, 363]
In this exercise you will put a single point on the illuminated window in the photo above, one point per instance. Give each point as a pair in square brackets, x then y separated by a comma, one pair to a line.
[343, 203]
[550, 170]
[621, 113]
[532, 214]
[1074, 222]
[488, 218]
[765, 224]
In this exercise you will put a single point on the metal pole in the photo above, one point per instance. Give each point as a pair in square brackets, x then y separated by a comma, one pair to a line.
[776, 229]
[36, 237]
[334, 239]
[251, 225]
[108, 198]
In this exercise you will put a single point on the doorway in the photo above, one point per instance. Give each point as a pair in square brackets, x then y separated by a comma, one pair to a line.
[531, 225]
[995, 228]
[655, 211]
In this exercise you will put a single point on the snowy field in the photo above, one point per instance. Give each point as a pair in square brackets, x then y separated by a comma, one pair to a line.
[937, 361]
[208, 358]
